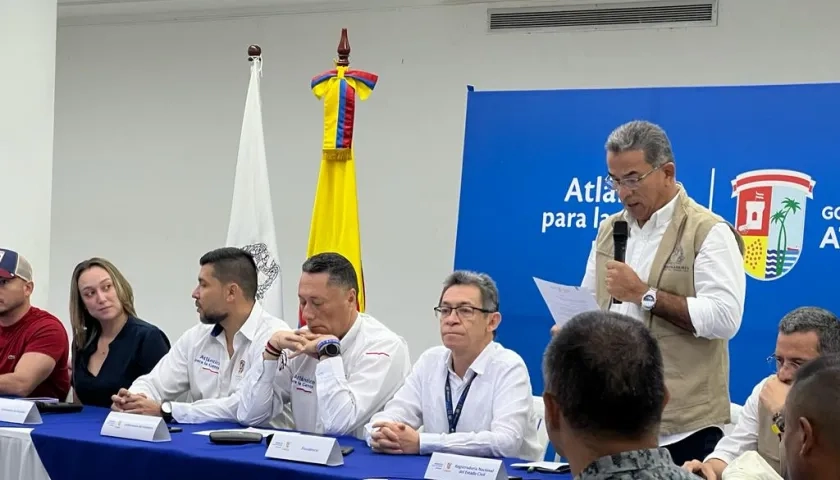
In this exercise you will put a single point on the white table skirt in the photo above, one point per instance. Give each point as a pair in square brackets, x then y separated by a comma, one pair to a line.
[18, 458]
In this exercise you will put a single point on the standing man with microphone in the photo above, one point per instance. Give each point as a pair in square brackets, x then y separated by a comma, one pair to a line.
[683, 276]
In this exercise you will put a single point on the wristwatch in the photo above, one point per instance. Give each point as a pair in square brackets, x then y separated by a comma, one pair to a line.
[329, 348]
[166, 411]
[649, 300]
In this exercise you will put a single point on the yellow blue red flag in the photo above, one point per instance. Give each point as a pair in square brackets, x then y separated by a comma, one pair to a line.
[335, 213]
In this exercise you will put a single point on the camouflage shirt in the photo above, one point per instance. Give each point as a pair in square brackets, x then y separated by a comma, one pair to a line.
[653, 464]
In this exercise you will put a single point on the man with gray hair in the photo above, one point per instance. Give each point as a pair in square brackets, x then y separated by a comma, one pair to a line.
[683, 277]
[804, 334]
[471, 396]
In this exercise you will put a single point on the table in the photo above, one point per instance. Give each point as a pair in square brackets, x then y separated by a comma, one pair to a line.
[18, 458]
[71, 448]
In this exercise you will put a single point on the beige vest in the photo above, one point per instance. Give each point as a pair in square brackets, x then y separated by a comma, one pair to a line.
[696, 369]
[768, 442]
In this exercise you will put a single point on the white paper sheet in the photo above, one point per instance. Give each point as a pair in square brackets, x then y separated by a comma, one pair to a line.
[564, 301]
[545, 466]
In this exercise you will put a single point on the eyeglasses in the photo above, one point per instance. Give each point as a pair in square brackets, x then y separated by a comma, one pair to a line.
[779, 363]
[464, 312]
[632, 182]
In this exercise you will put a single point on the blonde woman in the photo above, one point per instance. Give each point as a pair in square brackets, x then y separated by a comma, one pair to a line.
[111, 346]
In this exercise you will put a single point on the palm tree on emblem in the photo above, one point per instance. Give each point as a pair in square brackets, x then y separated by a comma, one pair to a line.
[789, 205]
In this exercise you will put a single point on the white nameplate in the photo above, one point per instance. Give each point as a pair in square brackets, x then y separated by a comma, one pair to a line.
[446, 466]
[19, 411]
[135, 427]
[299, 447]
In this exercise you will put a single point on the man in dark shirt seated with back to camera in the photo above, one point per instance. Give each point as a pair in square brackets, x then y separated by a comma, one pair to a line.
[604, 397]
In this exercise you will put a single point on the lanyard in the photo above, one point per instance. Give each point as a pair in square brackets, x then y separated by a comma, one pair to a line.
[453, 417]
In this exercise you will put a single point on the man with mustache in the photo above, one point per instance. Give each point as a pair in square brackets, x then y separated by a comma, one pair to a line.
[210, 359]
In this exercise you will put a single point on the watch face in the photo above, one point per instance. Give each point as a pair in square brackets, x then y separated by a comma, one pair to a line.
[166, 407]
[648, 298]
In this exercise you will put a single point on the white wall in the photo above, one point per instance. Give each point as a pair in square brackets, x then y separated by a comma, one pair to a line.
[148, 118]
[27, 94]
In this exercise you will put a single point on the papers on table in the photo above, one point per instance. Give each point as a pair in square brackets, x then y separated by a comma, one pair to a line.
[558, 467]
[262, 431]
[564, 301]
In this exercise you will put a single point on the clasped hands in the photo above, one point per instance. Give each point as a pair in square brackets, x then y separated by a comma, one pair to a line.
[300, 342]
[137, 403]
[394, 438]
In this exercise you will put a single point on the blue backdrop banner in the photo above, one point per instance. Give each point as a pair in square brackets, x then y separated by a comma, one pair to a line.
[763, 157]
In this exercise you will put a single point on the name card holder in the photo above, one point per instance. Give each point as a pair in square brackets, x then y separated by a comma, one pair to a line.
[135, 427]
[299, 447]
[447, 466]
[19, 411]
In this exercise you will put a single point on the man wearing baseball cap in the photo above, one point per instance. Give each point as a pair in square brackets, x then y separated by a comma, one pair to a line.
[33, 343]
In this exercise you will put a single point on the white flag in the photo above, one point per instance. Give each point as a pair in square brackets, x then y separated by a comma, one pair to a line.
[251, 217]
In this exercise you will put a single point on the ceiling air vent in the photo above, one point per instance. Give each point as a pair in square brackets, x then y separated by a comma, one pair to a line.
[656, 14]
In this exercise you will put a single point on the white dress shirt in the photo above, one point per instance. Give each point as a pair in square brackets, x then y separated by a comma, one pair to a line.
[335, 395]
[744, 437]
[497, 418]
[199, 364]
[719, 279]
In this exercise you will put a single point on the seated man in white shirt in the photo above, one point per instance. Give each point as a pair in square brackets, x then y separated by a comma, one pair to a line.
[338, 370]
[203, 362]
[804, 334]
[471, 396]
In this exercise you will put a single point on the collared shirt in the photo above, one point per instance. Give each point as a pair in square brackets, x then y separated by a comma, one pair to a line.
[199, 364]
[744, 437]
[652, 464]
[719, 280]
[336, 395]
[497, 418]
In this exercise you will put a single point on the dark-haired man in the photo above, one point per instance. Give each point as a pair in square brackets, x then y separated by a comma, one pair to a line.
[210, 360]
[805, 333]
[335, 373]
[604, 413]
[811, 422]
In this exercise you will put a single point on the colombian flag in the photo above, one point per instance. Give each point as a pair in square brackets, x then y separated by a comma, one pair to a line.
[335, 214]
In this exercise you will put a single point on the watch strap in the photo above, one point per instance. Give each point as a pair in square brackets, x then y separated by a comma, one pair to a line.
[167, 416]
[330, 347]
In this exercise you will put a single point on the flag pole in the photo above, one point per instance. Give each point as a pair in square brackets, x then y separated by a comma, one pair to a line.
[335, 212]
[254, 51]
[343, 50]
[251, 226]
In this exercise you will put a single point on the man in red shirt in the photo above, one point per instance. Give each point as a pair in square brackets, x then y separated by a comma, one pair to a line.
[33, 343]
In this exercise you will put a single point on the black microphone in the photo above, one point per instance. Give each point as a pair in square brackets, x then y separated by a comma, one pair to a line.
[620, 242]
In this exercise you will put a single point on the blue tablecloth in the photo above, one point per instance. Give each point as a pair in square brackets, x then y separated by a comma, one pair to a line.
[71, 448]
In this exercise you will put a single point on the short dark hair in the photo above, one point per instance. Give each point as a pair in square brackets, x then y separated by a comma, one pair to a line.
[814, 319]
[811, 367]
[234, 265]
[341, 272]
[815, 395]
[605, 371]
